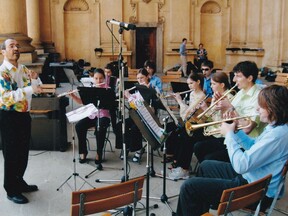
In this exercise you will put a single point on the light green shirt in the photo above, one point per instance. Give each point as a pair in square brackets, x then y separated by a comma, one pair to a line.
[245, 104]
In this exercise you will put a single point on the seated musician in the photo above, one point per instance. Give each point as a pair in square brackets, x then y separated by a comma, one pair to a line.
[155, 81]
[102, 116]
[262, 156]
[244, 104]
[112, 82]
[179, 143]
[133, 137]
[220, 86]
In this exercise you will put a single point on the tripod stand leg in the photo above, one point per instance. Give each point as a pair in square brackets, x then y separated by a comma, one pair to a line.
[99, 167]
[64, 182]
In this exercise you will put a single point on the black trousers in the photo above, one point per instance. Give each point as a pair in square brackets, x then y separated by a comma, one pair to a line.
[16, 134]
[133, 136]
[81, 129]
[212, 149]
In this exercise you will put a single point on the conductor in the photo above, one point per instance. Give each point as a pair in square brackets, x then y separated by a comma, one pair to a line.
[15, 122]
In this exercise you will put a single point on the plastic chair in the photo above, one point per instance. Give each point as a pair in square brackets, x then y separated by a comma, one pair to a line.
[97, 200]
[240, 197]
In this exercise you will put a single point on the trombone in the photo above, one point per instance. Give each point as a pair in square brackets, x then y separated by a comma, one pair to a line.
[190, 128]
[196, 119]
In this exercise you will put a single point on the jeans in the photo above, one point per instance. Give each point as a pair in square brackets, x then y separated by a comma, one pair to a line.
[197, 194]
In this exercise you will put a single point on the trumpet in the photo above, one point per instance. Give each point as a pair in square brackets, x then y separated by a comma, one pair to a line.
[180, 93]
[200, 116]
[190, 128]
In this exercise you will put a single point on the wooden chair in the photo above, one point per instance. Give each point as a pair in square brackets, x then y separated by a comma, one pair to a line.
[97, 200]
[240, 197]
[280, 187]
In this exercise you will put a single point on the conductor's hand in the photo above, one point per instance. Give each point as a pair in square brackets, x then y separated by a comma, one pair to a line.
[32, 74]
[37, 89]
[225, 127]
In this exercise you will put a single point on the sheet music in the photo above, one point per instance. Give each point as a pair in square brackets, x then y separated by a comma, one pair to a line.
[147, 117]
[81, 113]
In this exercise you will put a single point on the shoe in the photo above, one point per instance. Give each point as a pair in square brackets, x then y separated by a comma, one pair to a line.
[29, 188]
[136, 158]
[178, 173]
[18, 198]
[98, 161]
[83, 158]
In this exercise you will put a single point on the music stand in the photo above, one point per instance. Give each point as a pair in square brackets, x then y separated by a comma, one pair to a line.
[102, 98]
[152, 141]
[75, 174]
[157, 102]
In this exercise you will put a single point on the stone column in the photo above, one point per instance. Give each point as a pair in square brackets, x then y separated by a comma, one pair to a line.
[13, 25]
[33, 23]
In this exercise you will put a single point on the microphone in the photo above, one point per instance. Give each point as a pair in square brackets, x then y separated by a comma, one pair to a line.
[126, 26]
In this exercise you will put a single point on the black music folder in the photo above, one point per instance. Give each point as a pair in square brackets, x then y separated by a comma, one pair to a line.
[150, 96]
[102, 98]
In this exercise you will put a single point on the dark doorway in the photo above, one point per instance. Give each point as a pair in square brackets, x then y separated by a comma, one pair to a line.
[145, 45]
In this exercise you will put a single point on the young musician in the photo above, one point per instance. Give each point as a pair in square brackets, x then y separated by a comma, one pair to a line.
[244, 104]
[220, 85]
[251, 158]
[155, 81]
[102, 116]
[179, 142]
[133, 137]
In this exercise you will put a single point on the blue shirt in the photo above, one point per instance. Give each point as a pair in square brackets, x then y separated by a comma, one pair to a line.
[182, 50]
[207, 87]
[264, 155]
[156, 83]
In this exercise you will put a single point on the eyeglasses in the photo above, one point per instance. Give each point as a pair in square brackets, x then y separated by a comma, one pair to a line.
[205, 69]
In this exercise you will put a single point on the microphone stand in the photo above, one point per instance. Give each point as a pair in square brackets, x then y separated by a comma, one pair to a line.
[125, 177]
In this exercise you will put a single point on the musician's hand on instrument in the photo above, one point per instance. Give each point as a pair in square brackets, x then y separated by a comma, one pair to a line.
[216, 96]
[225, 127]
[177, 97]
[126, 94]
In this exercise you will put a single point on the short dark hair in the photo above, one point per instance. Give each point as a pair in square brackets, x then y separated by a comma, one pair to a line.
[274, 99]
[208, 63]
[143, 71]
[99, 70]
[184, 39]
[151, 65]
[247, 68]
[109, 67]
